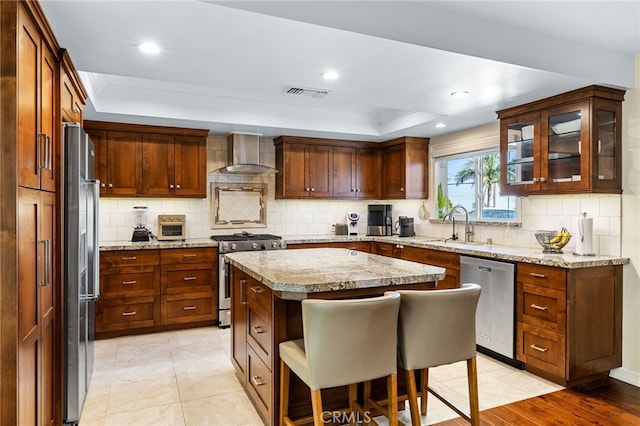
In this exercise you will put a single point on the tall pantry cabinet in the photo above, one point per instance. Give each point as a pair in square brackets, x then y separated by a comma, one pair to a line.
[31, 320]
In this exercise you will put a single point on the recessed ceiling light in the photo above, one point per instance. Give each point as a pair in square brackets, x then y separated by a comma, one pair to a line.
[459, 94]
[149, 47]
[331, 75]
[440, 125]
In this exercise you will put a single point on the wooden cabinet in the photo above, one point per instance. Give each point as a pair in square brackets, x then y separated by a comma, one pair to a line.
[304, 169]
[448, 260]
[569, 322]
[405, 171]
[130, 290]
[38, 73]
[569, 143]
[72, 92]
[188, 285]
[149, 161]
[355, 173]
[153, 290]
[37, 308]
[253, 340]
[327, 168]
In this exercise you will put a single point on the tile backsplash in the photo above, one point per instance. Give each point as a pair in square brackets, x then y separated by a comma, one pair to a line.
[317, 217]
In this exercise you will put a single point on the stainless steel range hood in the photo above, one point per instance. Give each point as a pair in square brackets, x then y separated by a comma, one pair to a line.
[244, 155]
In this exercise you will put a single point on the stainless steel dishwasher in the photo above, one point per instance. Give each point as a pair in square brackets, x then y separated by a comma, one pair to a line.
[495, 322]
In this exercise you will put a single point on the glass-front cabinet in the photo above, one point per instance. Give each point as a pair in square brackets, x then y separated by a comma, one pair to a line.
[565, 144]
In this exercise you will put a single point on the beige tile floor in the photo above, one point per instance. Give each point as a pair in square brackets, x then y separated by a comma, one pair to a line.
[186, 378]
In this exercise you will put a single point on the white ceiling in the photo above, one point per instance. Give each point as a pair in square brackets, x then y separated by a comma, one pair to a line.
[226, 65]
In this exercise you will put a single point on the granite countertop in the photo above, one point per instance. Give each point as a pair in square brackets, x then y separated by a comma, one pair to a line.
[155, 244]
[504, 253]
[296, 273]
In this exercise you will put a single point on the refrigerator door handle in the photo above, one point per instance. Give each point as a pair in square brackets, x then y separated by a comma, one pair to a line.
[94, 292]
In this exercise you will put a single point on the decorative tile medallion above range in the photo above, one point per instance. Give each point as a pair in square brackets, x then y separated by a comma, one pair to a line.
[238, 205]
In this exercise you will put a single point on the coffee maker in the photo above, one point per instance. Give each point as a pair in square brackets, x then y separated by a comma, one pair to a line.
[140, 232]
[352, 223]
[405, 225]
[379, 220]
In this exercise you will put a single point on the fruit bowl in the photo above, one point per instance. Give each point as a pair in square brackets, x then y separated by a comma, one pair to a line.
[553, 241]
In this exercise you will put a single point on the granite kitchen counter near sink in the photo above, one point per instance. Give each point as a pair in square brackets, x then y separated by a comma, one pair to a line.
[155, 245]
[297, 273]
[505, 253]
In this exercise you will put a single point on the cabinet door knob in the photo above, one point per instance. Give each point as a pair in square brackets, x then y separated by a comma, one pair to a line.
[178, 186]
[103, 185]
[401, 189]
[307, 189]
[171, 186]
[313, 189]
[110, 185]
[535, 180]
[543, 179]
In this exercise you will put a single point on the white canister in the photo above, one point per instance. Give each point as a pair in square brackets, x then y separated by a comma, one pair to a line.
[584, 235]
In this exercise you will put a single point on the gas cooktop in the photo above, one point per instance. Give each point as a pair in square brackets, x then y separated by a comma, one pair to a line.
[246, 236]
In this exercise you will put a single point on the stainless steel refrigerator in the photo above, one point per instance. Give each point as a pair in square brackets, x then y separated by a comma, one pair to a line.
[81, 285]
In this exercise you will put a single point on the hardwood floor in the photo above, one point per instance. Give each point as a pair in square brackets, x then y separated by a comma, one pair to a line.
[611, 402]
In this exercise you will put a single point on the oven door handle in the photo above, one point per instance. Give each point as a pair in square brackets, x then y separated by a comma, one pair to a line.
[227, 279]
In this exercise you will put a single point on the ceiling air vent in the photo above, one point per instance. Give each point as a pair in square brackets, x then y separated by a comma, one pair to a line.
[312, 93]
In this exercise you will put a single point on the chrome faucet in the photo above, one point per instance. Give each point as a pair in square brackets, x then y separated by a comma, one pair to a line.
[467, 226]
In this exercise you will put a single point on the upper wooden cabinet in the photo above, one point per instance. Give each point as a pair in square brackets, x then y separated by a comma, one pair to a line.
[37, 92]
[72, 92]
[569, 143]
[405, 168]
[305, 169]
[327, 168]
[149, 161]
[355, 172]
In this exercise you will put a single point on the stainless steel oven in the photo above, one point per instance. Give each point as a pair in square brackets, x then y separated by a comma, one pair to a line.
[234, 243]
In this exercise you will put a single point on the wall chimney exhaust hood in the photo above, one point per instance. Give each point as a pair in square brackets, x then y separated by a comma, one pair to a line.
[244, 155]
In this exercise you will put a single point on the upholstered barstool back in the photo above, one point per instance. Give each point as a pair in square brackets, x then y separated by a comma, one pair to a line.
[345, 342]
[435, 328]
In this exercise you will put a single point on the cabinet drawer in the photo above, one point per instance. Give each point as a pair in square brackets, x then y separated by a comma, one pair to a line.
[144, 281]
[187, 281]
[128, 313]
[259, 381]
[441, 258]
[542, 307]
[542, 349]
[544, 276]
[190, 255]
[260, 332]
[111, 259]
[190, 307]
[259, 294]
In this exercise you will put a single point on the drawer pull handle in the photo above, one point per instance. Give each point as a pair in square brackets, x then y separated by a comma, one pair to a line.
[258, 329]
[189, 255]
[129, 282]
[128, 258]
[189, 278]
[535, 274]
[257, 289]
[189, 308]
[538, 307]
[257, 381]
[129, 314]
[538, 348]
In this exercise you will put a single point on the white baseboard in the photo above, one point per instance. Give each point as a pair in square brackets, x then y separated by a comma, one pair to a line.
[625, 375]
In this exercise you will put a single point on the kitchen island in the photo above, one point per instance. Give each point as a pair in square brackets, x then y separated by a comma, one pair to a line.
[266, 290]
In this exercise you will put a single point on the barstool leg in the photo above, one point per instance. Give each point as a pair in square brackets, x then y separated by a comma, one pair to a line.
[412, 393]
[392, 392]
[424, 390]
[353, 397]
[472, 376]
[316, 405]
[366, 395]
[284, 392]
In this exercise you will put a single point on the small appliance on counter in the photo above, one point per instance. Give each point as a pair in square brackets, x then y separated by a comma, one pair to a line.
[584, 235]
[405, 227]
[379, 220]
[341, 229]
[140, 232]
[352, 223]
[171, 227]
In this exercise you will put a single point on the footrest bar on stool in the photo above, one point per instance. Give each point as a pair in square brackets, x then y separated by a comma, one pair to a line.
[450, 405]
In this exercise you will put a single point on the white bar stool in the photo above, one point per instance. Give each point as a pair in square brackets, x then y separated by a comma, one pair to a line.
[345, 342]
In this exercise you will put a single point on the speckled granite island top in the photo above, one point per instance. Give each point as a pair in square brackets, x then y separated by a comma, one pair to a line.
[329, 269]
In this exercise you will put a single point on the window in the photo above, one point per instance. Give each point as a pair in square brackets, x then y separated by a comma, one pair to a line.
[473, 180]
